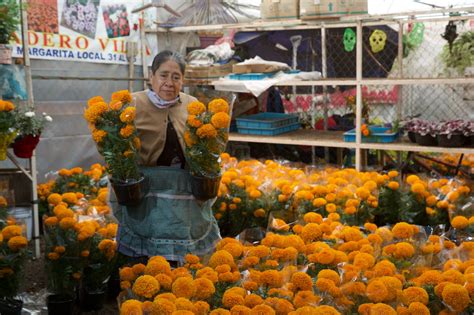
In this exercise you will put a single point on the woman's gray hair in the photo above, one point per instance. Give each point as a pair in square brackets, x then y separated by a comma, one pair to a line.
[166, 55]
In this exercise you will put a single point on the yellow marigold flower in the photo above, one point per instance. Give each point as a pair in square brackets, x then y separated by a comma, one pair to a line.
[305, 298]
[411, 179]
[206, 131]
[393, 185]
[161, 306]
[67, 223]
[459, 222]
[377, 291]
[240, 310]
[123, 95]
[127, 131]
[69, 198]
[259, 213]
[127, 274]
[220, 120]
[146, 286]
[402, 230]
[219, 311]
[201, 308]
[417, 188]
[271, 278]
[229, 300]
[302, 281]
[54, 199]
[404, 250]
[456, 297]
[191, 259]
[331, 208]
[51, 221]
[453, 276]
[131, 307]
[364, 261]
[415, 294]
[183, 287]
[136, 143]
[17, 242]
[115, 105]
[124, 285]
[326, 256]
[128, 115]
[382, 309]
[11, 231]
[196, 108]
[255, 193]
[204, 288]
[218, 105]
[311, 232]
[53, 256]
[418, 308]
[221, 257]
[262, 310]
[93, 113]
[85, 253]
[194, 121]
[183, 304]
[392, 174]
[253, 300]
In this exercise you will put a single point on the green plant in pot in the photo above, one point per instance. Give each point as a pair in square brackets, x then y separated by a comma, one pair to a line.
[29, 126]
[461, 56]
[9, 20]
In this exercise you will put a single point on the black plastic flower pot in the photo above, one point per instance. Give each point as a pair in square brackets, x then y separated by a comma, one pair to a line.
[412, 136]
[455, 141]
[10, 306]
[130, 193]
[59, 304]
[470, 140]
[204, 188]
[426, 140]
[93, 301]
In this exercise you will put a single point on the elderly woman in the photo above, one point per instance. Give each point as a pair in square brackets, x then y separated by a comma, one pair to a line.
[169, 221]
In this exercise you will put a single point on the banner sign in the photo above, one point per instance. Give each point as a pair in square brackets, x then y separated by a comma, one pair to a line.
[81, 30]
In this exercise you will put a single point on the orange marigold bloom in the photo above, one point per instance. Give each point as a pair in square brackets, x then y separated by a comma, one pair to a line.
[377, 291]
[382, 309]
[54, 199]
[219, 311]
[53, 256]
[128, 115]
[415, 294]
[218, 105]
[221, 257]
[459, 222]
[419, 309]
[183, 287]
[456, 297]
[162, 306]
[69, 198]
[115, 105]
[93, 113]
[67, 223]
[402, 230]
[305, 298]
[204, 288]
[220, 120]
[146, 286]
[271, 278]
[127, 131]
[17, 242]
[201, 308]
[131, 307]
[123, 95]
[404, 250]
[206, 131]
[302, 281]
[196, 108]
[311, 232]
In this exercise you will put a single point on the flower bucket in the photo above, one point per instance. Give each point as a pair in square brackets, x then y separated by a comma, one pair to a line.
[5, 140]
[10, 306]
[5, 54]
[204, 188]
[93, 301]
[455, 141]
[426, 140]
[24, 146]
[130, 193]
[60, 304]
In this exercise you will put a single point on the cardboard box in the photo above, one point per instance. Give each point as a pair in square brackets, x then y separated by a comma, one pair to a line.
[279, 9]
[320, 9]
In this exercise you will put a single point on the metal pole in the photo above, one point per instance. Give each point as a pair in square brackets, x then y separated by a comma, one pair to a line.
[359, 94]
[324, 74]
[143, 49]
[36, 218]
[400, 88]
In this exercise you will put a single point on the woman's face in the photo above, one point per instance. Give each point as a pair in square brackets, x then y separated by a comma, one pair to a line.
[167, 80]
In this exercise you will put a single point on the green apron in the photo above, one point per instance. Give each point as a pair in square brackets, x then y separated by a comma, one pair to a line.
[169, 222]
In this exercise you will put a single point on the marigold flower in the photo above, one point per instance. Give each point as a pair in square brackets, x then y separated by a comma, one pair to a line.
[459, 222]
[157, 266]
[418, 308]
[456, 297]
[183, 287]
[54, 199]
[206, 131]
[311, 232]
[220, 120]
[201, 308]
[161, 306]
[123, 95]
[364, 261]
[221, 257]
[17, 242]
[402, 230]
[415, 294]
[131, 307]
[53, 256]
[240, 310]
[404, 250]
[393, 185]
[229, 300]
[127, 131]
[302, 281]
[262, 310]
[146, 286]
[93, 113]
[271, 278]
[417, 188]
[128, 115]
[127, 274]
[220, 311]
[218, 105]
[382, 309]
[204, 288]
[67, 223]
[377, 291]
[115, 105]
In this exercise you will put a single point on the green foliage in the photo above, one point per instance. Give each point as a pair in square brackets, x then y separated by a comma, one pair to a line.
[462, 54]
[28, 123]
[9, 19]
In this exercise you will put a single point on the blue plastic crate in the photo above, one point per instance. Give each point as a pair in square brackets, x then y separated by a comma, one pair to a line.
[377, 134]
[269, 131]
[250, 76]
[266, 120]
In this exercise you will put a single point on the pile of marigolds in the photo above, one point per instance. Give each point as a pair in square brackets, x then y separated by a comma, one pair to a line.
[320, 266]
[251, 192]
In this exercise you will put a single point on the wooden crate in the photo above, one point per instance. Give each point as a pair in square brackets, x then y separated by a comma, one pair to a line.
[279, 9]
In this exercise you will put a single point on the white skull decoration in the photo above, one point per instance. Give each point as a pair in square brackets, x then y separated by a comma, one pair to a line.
[377, 41]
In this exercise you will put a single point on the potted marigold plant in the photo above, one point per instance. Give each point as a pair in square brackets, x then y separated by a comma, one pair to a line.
[114, 132]
[9, 17]
[13, 253]
[7, 127]
[101, 261]
[206, 135]
[67, 248]
[29, 126]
